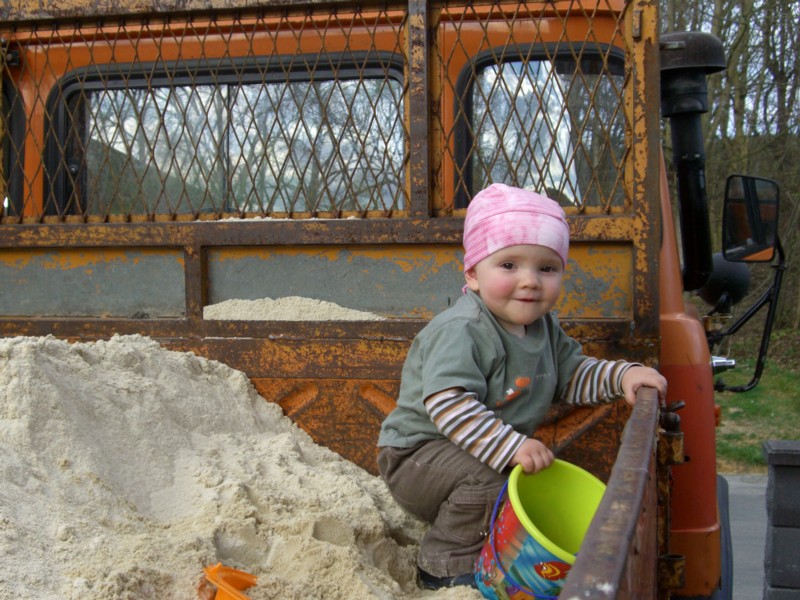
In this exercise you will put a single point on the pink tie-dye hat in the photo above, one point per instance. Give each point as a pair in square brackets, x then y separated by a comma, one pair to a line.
[502, 216]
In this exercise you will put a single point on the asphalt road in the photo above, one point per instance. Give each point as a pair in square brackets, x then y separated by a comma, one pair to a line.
[748, 532]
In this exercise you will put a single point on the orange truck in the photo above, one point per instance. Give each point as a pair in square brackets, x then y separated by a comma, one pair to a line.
[159, 158]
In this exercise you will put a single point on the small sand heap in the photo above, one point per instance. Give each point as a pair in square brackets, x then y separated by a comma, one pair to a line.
[290, 308]
[126, 468]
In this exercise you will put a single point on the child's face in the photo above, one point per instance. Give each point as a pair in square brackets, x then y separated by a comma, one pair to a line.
[518, 284]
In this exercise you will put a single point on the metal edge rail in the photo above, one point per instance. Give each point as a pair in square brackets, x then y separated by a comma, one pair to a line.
[619, 553]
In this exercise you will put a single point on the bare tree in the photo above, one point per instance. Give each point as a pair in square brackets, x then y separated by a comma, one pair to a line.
[754, 119]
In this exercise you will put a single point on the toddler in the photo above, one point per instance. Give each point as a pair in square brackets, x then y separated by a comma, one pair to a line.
[481, 376]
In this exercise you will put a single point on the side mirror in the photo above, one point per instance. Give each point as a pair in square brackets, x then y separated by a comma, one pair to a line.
[750, 219]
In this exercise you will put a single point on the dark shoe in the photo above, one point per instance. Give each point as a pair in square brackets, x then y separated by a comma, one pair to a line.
[431, 582]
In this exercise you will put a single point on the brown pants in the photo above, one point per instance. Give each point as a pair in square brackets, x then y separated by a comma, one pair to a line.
[442, 484]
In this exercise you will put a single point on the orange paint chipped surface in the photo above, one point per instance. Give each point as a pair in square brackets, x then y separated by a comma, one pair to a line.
[66, 259]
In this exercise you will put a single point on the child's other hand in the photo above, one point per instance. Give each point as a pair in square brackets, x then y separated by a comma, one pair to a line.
[637, 377]
[533, 455]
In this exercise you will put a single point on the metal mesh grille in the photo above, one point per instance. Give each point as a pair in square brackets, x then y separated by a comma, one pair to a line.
[522, 133]
[540, 105]
[238, 147]
[306, 113]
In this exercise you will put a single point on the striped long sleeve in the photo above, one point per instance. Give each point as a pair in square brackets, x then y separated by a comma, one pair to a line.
[466, 422]
[596, 382]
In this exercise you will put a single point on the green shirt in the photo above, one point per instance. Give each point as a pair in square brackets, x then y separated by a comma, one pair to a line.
[465, 347]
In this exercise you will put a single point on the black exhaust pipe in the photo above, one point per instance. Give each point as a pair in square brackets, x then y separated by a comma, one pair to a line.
[686, 59]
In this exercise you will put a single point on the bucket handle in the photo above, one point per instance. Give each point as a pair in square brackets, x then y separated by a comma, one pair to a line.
[497, 561]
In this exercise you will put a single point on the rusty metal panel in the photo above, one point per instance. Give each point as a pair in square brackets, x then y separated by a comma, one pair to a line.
[410, 281]
[52, 9]
[107, 282]
[401, 280]
[249, 232]
[415, 281]
[339, 391]
[344, 415]
[598, 282]
[304, 355]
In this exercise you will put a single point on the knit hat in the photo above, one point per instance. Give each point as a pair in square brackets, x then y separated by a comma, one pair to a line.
[501, 216]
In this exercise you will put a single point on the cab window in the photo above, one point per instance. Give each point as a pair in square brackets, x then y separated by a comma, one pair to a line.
[544, 118]
[233, 137]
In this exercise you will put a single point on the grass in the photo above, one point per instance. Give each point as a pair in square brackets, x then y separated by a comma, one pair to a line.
[771, 411]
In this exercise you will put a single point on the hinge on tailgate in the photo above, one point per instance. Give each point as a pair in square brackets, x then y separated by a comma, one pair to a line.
[671, 567]
[671, 572]
[670, 438]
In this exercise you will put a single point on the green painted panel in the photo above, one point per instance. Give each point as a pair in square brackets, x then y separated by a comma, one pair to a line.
[79, 282]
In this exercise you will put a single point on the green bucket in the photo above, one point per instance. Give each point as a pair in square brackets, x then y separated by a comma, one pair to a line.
[535, 537]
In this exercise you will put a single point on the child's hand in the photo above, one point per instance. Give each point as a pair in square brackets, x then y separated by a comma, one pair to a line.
[637, 377]
[533, 455]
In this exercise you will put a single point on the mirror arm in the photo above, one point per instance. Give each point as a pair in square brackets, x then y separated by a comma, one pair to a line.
[769, 297]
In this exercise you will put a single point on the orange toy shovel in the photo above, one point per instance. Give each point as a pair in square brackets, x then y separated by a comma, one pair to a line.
[229, 582]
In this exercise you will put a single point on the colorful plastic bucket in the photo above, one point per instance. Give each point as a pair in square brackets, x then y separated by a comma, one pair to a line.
[533, 541]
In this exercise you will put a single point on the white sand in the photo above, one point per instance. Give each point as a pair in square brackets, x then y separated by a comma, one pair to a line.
[126, 468]
[290, 308]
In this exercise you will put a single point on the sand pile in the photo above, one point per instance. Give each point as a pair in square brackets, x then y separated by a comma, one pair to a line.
[126, 468]
[290, 308]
